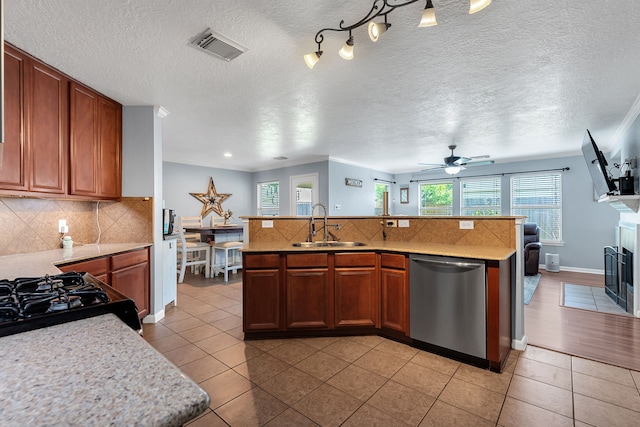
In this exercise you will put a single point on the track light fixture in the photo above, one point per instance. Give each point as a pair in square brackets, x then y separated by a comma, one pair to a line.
[381, 8]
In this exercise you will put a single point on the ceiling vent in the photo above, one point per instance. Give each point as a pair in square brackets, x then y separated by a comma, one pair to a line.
[217, 45]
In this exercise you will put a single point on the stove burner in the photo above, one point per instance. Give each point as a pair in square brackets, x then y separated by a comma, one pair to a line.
[64, 303]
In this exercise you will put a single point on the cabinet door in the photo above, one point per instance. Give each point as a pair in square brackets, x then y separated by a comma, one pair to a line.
[261, 291]
[308, 296]
[110, 152]
[356, 297]
[13, 174]
[47, 120]
[395, 307]
[134, 283]
[83, 147]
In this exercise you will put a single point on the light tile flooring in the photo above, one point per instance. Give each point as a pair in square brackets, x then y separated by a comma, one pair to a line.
[590, 298]
[368, 380]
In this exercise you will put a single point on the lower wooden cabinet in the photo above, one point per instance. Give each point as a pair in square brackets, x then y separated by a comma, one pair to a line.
[262, 292]
[128, 272]
[308, 289]
[394, 282]
[357, 294]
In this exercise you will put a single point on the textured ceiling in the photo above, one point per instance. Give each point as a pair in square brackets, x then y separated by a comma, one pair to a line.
[517, 80]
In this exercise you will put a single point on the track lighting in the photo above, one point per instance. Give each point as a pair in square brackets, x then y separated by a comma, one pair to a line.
[381, 8]
[347, 50]
[428, 16]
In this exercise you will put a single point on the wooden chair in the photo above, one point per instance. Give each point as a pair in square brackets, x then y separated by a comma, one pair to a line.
[191, 253]
[231, 258]
[191, 221]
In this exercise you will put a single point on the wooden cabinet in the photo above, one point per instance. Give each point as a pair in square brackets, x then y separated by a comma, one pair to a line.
[130, 275]
[36, 110]
[309, 291]
[61, 139]
[128, 272]
[356, 290]
[95, 144]
[262, 292]
[394, 283]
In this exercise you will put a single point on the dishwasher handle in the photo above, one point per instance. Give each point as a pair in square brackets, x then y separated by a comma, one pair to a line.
[461, 264]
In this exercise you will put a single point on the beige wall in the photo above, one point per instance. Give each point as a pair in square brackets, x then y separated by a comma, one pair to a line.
[30, 225]
[499, 232]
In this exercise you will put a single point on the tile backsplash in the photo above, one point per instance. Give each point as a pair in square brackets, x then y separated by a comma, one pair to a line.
[31, 225]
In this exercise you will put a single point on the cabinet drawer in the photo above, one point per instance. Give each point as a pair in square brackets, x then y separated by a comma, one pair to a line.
[261, 261]
[128, 259]
[95, 267]
[307, 260]
[393, 261]
[355, 259]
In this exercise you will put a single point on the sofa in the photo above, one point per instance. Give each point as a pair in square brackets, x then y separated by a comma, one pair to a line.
[532, 247]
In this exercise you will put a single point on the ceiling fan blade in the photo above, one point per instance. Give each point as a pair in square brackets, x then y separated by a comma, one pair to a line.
[432, 164]
[484, 156]
[480, 163]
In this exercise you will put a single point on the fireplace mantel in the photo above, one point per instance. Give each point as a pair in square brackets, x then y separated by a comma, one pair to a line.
[627, 204]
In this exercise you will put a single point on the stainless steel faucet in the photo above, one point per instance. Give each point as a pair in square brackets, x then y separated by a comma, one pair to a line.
[312, 225]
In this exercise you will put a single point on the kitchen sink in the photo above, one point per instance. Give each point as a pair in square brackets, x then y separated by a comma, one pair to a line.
[331, 243]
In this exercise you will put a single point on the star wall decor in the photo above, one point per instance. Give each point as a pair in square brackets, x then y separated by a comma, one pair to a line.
[211, 200]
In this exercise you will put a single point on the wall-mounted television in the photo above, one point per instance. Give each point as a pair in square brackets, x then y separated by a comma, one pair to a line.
[597, 164]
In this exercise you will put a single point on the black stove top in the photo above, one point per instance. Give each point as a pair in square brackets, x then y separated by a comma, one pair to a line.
[28, 303]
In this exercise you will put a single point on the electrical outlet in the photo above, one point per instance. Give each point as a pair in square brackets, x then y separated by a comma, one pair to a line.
[403, 223]
[62, 226]
[267, 224]
[466, 225]
[391, 223]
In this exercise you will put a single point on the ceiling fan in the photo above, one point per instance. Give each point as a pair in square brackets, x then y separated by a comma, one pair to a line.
[454, 164]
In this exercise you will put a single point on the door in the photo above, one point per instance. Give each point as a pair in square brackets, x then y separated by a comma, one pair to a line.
[304, 194]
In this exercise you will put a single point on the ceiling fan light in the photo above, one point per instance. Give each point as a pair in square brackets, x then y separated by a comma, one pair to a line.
[312, 58]
[478, 5]
[428, 16]
[376, 29]
[452, 169]
[347, 50]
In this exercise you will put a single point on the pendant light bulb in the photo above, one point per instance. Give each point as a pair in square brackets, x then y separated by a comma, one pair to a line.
[428, 16]
[376, 29]
[312, 58]
[347, 49]
[452, 170]
[478, 5]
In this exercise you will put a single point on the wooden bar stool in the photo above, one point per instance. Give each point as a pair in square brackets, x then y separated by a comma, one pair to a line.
[231, 258]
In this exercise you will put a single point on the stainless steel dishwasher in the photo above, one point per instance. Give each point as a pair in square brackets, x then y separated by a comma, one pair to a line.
[448, 303]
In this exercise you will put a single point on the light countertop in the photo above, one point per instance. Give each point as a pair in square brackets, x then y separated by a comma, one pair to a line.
[92, 372]
[36, 264]
[476, 252]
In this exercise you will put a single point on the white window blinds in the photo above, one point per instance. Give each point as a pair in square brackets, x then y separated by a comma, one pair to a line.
[269, 198]
[539, 197]
[480, 197]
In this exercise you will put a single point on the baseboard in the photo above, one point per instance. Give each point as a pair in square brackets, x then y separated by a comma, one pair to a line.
[520, 344]
[154, 318]
[575, 270]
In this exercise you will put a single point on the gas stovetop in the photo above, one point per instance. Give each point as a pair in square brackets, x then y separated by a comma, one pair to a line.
[28, 303]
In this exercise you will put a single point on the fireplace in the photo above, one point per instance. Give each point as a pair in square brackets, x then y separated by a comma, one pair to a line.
[618, 276]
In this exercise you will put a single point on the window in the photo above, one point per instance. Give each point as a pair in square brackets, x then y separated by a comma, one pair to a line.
[269, 198]
[436, 199]
[539, 197]
[480, 197]
[379, 200]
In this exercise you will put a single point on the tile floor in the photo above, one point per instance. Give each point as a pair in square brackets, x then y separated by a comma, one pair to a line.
[590, 298]
[368, 380]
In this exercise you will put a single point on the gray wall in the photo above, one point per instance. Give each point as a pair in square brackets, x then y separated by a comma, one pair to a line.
[587, 226]
[282, 175]
[179, 180]
[355, 201]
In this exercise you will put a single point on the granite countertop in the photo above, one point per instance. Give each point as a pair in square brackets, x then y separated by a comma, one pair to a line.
[95, 371]
[44, 262]
[476, 252]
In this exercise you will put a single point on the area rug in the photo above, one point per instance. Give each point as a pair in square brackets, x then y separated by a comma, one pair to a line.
[591, 298]
[530, 285]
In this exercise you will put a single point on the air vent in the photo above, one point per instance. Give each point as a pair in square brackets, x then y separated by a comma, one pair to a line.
[217, 45]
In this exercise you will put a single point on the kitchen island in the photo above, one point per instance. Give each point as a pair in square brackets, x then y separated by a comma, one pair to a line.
[290, 290]
[95, 371]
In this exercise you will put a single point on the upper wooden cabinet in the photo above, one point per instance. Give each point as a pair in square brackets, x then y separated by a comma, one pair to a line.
[95, 144]
[61, 138]
[37, 116]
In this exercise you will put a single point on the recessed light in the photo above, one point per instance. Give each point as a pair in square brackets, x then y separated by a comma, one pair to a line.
[227, 154]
